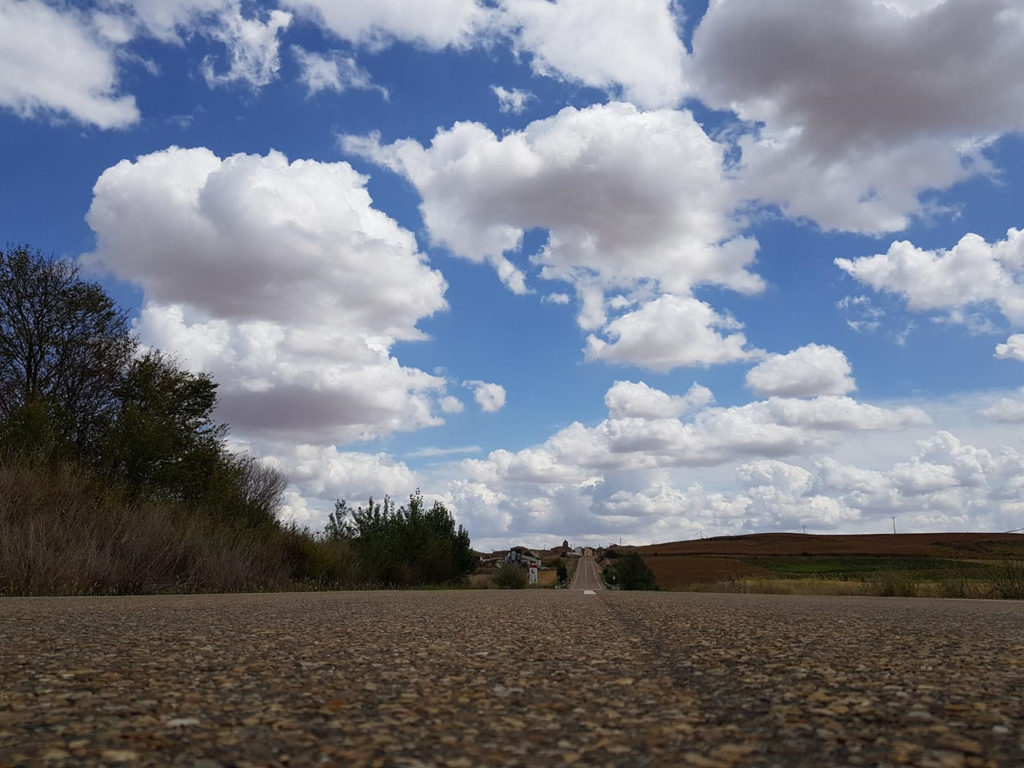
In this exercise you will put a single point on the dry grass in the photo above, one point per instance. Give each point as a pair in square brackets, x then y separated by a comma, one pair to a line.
[61, 533]
[782, 587]
[889, 586]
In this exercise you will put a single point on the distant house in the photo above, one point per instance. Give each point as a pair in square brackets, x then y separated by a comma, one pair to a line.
[521, 556]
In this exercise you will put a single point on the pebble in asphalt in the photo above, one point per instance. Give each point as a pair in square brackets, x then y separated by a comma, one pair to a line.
[510, 678]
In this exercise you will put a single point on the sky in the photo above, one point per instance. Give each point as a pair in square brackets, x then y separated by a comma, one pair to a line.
[594, 270]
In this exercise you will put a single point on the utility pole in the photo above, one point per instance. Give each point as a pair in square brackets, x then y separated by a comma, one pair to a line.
[894, 524]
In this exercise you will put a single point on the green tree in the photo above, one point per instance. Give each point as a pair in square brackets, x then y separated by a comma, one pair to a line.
[633, 573]
[404, 546]
[561, 572]
[63, 345]
[161, 431]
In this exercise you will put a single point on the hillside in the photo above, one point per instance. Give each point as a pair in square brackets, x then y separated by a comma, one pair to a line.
[951, 545]
[943, 564]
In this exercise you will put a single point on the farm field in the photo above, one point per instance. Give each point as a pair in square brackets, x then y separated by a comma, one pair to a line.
[932, 565]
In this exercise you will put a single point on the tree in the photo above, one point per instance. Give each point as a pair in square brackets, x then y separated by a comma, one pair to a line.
[63, 344]
[510, 576]
[161, 430]
[405, 546]
[633, 573]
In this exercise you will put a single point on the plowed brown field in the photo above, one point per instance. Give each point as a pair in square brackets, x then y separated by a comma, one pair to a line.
[965, 545]
[680, 570]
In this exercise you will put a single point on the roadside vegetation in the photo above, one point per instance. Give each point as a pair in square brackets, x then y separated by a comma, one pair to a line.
[115, 477]
[629, 572]
[510, 576]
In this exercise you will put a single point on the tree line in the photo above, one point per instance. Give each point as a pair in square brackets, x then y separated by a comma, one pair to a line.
[110, 451]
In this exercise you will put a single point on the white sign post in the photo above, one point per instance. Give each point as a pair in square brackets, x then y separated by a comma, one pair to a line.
[533, 573]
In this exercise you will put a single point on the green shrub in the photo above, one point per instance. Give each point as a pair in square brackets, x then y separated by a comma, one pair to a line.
[1008, 579]
[510, 577]
[634, 574]
[561, 573]
[894, 584]
[404, 546]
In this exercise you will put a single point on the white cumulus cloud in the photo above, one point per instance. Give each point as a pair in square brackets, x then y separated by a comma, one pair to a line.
[862, 105]
[433, 24]
[625, 196]
[1006, 409]
[813, 369]
[629, 199]
[637, 399]
[671, 332]
[627, 46]
[490, 397]
[283, 280]
[1013, 349]
[53, 62]
[973, 273]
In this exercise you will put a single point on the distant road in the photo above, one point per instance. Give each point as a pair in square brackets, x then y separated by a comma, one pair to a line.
[587, 576]
[510, 678]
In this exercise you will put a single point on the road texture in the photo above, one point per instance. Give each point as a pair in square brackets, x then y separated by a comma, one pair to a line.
[510, 678]
[587, 575]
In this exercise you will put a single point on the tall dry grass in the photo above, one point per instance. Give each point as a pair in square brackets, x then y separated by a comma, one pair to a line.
[1006, 581]
[62, 533]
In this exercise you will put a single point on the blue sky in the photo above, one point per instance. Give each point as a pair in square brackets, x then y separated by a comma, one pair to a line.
[591, 270]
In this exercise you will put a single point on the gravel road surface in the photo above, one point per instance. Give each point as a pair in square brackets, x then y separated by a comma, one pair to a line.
[510, 678]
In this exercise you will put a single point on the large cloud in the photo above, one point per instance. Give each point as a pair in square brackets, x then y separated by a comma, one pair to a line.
[973, 273]
[623, 46]
[279, 277]
[631, 200]
[625, 195]
[627, 44]
[671, 332]
[637, 399]
[656, 471]
[943, 484]
[863, 105]
[639, 435]
[813, 369]
[52, 61]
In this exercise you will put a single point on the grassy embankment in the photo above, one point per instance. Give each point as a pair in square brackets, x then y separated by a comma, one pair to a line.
[62, 532]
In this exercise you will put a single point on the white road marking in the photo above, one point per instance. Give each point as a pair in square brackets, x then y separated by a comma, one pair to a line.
[589, 592]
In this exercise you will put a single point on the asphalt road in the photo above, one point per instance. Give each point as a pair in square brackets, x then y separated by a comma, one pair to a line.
[586, 576]
[510, 678]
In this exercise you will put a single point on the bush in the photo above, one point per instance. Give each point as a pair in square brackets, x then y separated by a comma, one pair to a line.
[895, 584]
[1008, 579]
[610, 575]
[407, 546]
[634, 574]
[510, 577]
[561, 573]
